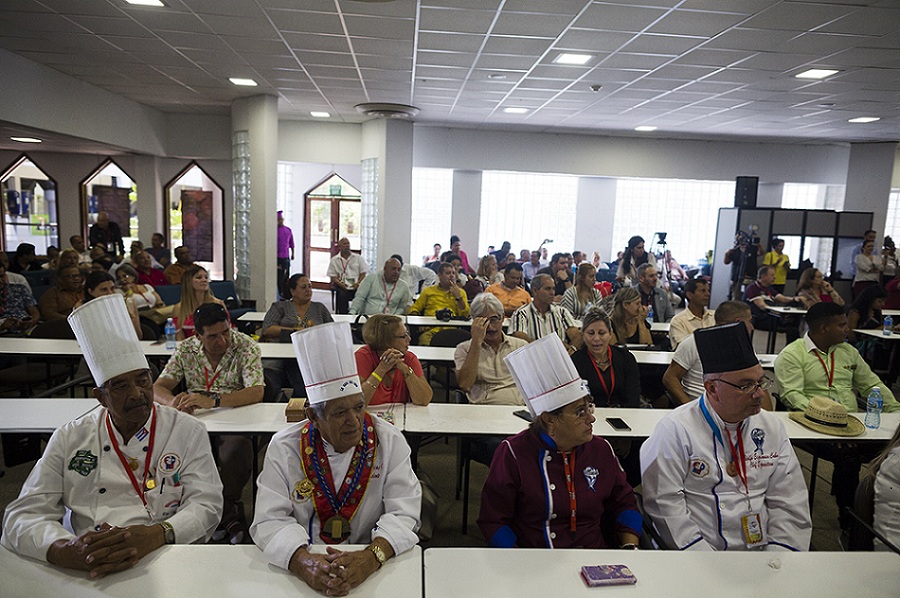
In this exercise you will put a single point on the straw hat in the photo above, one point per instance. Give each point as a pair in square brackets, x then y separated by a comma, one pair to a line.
[828, 417]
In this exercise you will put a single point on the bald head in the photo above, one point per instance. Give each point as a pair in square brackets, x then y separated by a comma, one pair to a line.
[392, 270]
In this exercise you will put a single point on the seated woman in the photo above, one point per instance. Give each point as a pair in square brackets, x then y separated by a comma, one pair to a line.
[579, 297]
[194, 293]
[555, 484]
[629, 325]
[812, 288]
[886, 469]
[283, 318]
[99, 284]
[18, 309]
[143, 295]
[865, 313]
[390, 373]
[488, 271]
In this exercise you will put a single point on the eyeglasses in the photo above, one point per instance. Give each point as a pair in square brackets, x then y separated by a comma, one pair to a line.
[584, 412]
[749, 389]
[494, 319]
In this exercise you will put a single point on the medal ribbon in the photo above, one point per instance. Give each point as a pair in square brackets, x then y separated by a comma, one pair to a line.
[316, 467]
[570, 486]
[147, 458]
[737, 457]
[387, 298]
[209, 383]
[612, 374]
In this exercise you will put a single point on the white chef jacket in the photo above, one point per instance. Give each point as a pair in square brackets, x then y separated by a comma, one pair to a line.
[81, 472]
[696, 505]
[390, 508]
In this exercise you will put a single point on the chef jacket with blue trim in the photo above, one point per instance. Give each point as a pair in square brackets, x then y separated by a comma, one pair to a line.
[696, 505]
[80, 471]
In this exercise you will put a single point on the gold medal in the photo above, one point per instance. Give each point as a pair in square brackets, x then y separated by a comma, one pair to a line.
[304, 488]
[731, 469]
[151, 483]
[337, 529]
[133, 464]
[308, 450]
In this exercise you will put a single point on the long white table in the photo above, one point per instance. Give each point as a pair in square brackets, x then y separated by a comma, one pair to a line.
[259, 316]
[878, 334]
[41, 415]
[193, 571]
[521, 573]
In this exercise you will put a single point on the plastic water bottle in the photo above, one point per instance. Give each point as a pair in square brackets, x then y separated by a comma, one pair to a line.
[888, 325]
[650, 315]
[170, 335]
[874, 405]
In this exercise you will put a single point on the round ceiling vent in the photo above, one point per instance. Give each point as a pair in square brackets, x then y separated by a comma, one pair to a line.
[387, 110]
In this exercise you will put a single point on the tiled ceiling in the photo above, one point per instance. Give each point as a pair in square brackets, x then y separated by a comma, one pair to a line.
[691, 68]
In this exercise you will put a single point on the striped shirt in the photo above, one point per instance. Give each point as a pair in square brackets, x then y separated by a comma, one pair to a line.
[528, 320]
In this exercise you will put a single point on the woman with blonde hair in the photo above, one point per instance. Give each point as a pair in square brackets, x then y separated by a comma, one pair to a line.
[812, 288]
[579, 297]
[488, 271]
[389, 371]
[194, 293]
[629, 325]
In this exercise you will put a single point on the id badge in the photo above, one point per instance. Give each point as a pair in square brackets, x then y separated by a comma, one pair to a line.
[753, 532]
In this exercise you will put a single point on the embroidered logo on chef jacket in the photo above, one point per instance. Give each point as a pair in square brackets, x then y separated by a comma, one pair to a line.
[590, 474]
[758, 435]
[169, 463]
[83, 462]
[699, 468]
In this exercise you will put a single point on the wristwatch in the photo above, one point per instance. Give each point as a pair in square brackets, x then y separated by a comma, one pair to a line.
[379, 554]
[217, 397]
[168, 532]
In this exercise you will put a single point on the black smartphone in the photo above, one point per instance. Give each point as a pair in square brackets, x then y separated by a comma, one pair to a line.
[524, 414]
[618, 423]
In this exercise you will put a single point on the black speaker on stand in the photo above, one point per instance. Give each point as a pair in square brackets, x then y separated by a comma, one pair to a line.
[745, 191]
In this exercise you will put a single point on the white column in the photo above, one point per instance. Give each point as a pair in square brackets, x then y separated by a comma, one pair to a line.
[596, 195]
[466, 220]
[869, 174]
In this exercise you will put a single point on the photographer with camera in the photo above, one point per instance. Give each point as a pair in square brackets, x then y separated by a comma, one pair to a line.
[445, 295]
[742, 258]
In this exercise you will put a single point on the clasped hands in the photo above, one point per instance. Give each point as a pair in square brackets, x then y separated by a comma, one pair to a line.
[106, 549]
[334, 573]
[189, 401]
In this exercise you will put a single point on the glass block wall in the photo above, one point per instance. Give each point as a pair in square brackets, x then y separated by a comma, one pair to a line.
[240, 174]
[369, 241]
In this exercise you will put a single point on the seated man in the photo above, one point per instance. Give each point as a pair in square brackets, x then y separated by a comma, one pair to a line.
[683, 378]
[57, 302]
[84, 254]
[510, 292]
[541, 316]
[719, 473]
[821, 364]
[652, 295]
[346, 270]
[147, 274]
[531, 268]
[760, 294]
[446, 294]
[481, 371]
[183, 263]
[18, 309]
[383, 293]
[220, 368]
[310, 465]
[560, 273]
[128, 477]
[697, 315]
[414, 275]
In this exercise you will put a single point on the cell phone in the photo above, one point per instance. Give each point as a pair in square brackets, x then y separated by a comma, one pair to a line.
[524, 414]
[618, 423]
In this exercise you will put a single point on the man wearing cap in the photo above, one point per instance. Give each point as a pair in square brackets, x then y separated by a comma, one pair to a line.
[220, 368]
[383, 293]
[821, 364]
[553, 484]
[133, 476]
[719, 473]
[377, 498]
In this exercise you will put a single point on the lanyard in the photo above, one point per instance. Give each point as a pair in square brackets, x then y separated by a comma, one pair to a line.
[829, 375]
[344, 265]
[115, 443]
[387, 298]
[570, 486]
[209, 383]
[612, 374]
[738, 460]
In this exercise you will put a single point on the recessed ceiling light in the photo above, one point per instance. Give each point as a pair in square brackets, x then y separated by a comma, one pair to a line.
[645, 128]
[515, 110]
[497, 76]
[26, 139]
[145, 2]
[566, 58]
[317, 114]
[243, 82]
[864, 119]
[816, 74]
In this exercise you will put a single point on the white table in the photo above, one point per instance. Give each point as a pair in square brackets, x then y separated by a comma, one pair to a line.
[660, 327]
[878, 333]
[259, 316]
[41, 415]
[521, 573]
[776, 311]
[218, 571]
[263, 418]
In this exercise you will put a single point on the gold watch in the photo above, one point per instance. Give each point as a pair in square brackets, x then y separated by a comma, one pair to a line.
[379, 554]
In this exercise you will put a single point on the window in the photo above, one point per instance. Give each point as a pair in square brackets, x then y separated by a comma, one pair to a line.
[432, 207]
[29, 207]
[892, 224]
[196, 219]
[687, 210]
[109, 189]
[525, 209]
[806, 196]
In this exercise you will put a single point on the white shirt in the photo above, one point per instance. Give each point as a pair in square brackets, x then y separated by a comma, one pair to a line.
[375, 296]
[389, 509]
[347, 269]
[412, 274]
[686, 356]
[887, 500]
[80, 471]
[696, 505]
[684, 323]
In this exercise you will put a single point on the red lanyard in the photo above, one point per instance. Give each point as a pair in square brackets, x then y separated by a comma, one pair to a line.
[115, 443]
[739, 464]
[570, 486]
[829, 375]
[612, 374]
[209, 382]
[387, 298]
[344, 265]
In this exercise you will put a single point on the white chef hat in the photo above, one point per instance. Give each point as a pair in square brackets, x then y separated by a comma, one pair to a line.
[325, 356]
[107, 338]
[545, 375]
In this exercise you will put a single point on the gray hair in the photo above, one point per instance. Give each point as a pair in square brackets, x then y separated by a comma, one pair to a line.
[538, 281]
[318, 408]
[642, 269]
[485, 304]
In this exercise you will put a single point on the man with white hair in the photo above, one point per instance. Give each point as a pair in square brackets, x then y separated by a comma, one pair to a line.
[341, 476]
[129, 477]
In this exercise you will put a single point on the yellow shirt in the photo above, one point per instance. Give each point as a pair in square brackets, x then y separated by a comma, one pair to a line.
[781, 263]
[432, 299]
